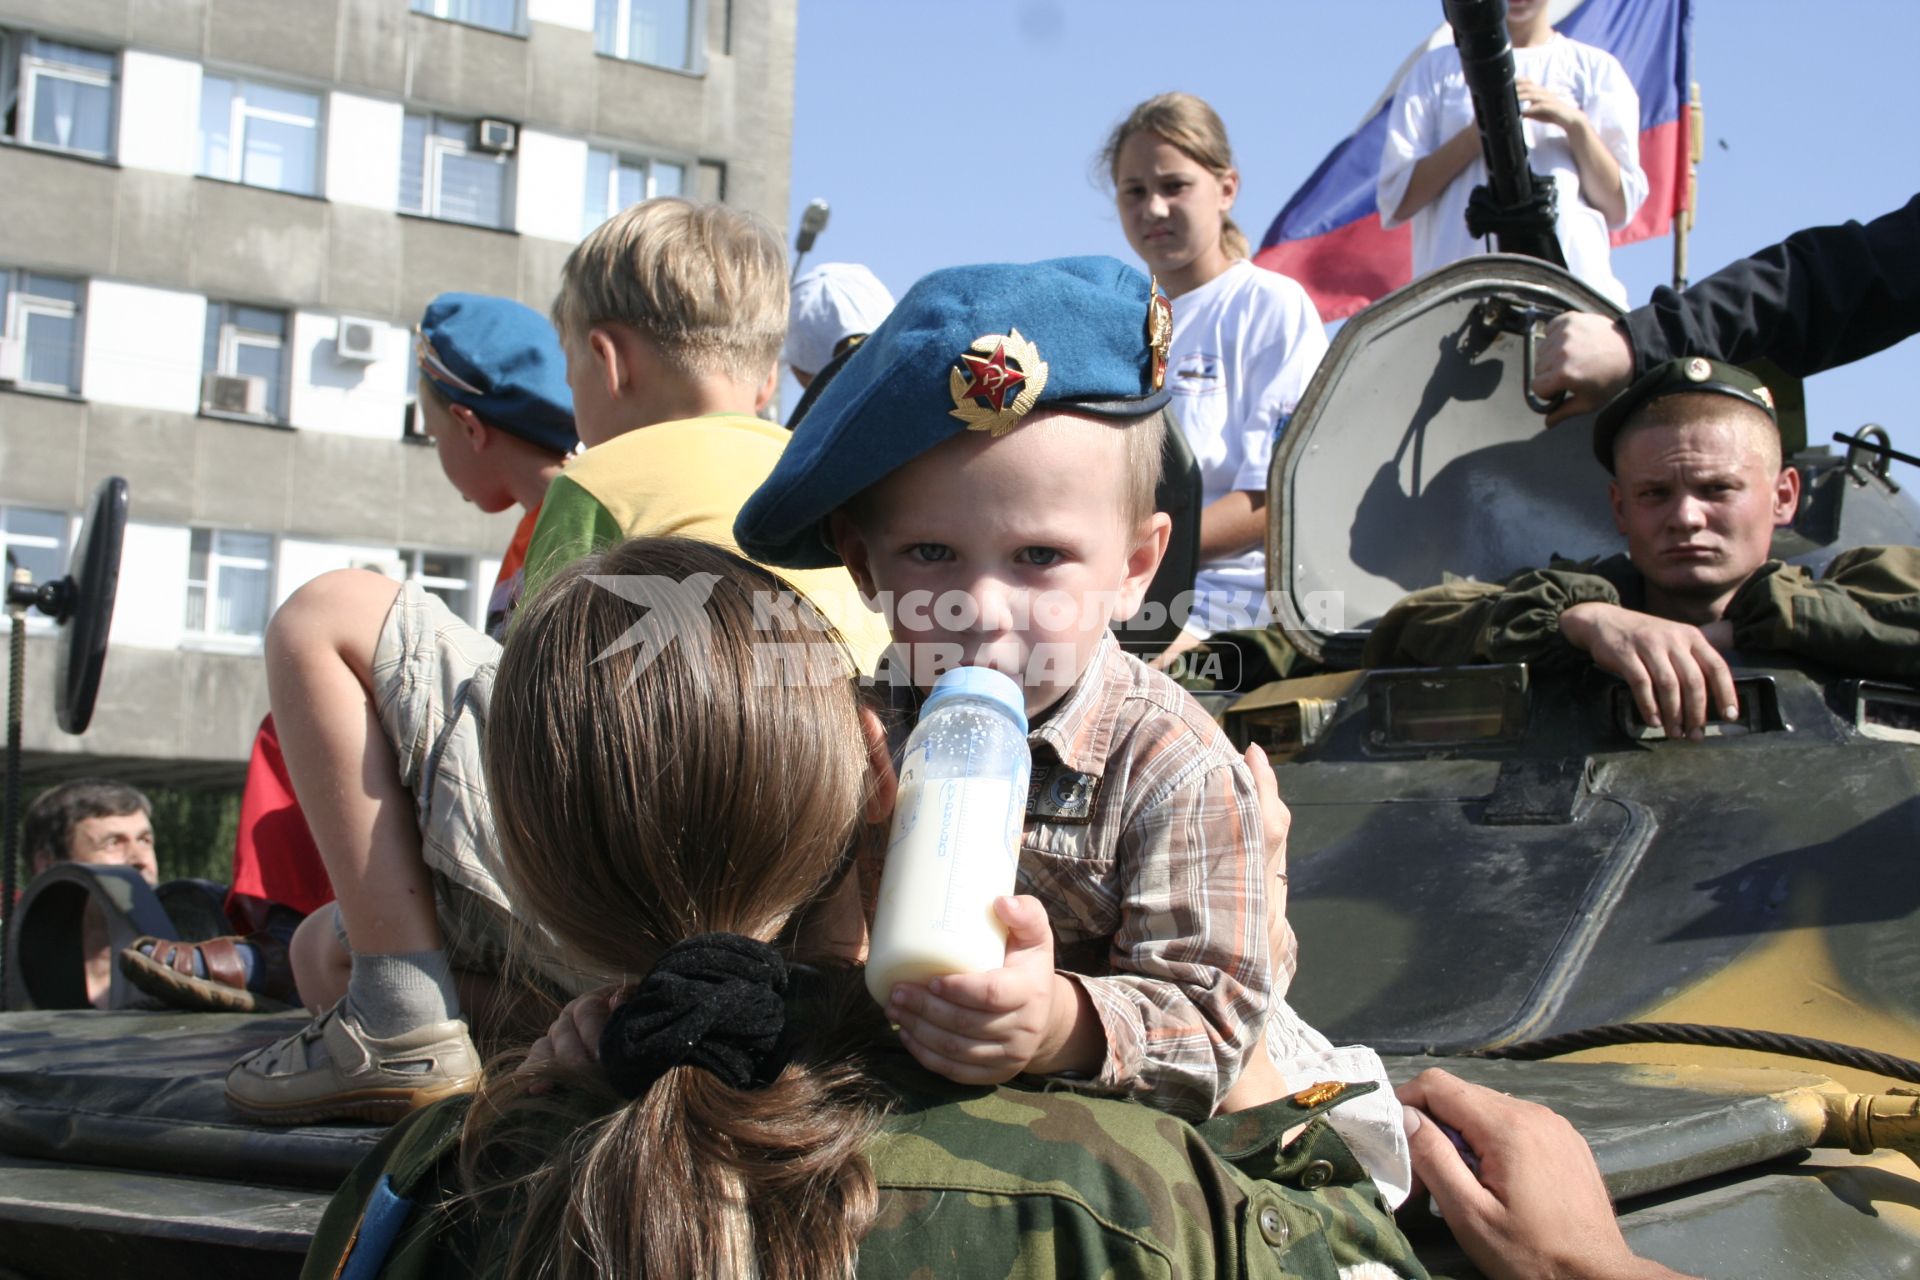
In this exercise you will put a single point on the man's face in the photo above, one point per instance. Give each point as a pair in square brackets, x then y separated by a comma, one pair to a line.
[123, 840]
[1698, 499]
[1012, 553]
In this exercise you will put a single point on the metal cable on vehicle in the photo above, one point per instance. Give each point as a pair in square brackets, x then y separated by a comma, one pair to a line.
[1710, 1037]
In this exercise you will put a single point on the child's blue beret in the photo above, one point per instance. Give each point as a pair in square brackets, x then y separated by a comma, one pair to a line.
[503, 361]
[967, 349]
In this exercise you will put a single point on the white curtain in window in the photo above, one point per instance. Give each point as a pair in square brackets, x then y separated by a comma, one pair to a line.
[472, 189]
[71, 115]
[242, 606]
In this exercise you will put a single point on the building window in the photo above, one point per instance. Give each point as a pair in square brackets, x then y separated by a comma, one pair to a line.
[494, 15]
[246, 361]
[36, 541]
[445, 172]
[259, 135]
[62, 97]
[228, 577]
[445, 575]
[615, 181]
[40, 331]
[657, 32]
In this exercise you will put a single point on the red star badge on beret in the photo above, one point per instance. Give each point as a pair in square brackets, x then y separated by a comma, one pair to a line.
[991, 378]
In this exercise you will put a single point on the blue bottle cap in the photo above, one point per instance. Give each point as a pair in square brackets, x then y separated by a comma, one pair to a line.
[979, 682]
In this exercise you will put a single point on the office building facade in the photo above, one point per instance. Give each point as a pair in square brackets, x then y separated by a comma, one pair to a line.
[222, 219]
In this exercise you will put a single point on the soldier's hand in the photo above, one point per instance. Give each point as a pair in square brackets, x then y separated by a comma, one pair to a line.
[1276, 820]
[1537, 1207]
[986, 1028]
[1677, 677]
[1585, 356]
[574, 1038]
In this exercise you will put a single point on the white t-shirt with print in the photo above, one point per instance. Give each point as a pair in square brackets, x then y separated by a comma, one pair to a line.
[1433, 104]
[1244, 346]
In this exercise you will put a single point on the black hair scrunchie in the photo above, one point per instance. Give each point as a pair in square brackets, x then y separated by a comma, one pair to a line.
[716, 1001]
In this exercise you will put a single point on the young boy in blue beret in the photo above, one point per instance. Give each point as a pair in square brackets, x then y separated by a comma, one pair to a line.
[985, 467]
[671, 316]
[494, 400]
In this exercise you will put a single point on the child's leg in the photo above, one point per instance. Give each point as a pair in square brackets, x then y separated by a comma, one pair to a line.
[320, 959]
[319, 677]
[400, 1002]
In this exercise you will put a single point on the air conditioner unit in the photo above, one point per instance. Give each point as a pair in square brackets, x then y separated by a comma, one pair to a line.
[497, 136]
[358, 340]
[13, 359]
[394, 567]
[228, 393]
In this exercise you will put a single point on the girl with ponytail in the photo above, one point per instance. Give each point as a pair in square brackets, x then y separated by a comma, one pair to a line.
[683, 779]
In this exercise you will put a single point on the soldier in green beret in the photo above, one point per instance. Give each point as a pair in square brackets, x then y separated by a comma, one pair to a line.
[1698, 488]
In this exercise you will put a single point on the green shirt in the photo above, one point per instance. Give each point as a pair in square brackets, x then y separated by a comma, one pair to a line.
[999, 1182]
[1861, 618]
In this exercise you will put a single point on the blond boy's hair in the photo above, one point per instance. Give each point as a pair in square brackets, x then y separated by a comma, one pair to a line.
[1145, 438]
[707, 285]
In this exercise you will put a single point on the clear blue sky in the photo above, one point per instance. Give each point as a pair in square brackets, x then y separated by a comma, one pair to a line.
[945, 133]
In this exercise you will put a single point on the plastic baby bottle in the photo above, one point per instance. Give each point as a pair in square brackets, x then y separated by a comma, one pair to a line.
[956, 833]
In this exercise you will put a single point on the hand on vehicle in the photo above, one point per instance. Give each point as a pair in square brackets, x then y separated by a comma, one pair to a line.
[1276, 820]
[1538, 1208]
[1585, 356]
[1677, 677]
[986, 1028]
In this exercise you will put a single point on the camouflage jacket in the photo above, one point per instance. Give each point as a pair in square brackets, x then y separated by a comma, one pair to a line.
[982, 1183]
[1862, 618]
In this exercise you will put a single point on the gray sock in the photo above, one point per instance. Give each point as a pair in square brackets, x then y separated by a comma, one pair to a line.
[392, 994]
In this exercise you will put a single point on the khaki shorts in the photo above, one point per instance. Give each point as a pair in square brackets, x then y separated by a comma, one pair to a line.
[432, 684]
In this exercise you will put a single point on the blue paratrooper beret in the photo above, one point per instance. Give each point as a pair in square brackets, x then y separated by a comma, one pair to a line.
[502, 360]
[967, 349]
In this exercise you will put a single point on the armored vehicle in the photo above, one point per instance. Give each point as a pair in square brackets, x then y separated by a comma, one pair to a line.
[1485, 860]
[1508, 861]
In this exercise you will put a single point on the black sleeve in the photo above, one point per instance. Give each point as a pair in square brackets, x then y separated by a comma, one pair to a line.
[1822, 297]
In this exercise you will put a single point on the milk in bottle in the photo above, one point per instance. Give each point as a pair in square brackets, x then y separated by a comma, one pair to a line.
[956, 833]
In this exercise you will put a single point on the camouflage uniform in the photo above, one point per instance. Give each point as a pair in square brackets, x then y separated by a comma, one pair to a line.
[987, 1183]
[1861, 618]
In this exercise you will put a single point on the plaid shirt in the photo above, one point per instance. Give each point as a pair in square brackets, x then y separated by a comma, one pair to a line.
[1144, 841]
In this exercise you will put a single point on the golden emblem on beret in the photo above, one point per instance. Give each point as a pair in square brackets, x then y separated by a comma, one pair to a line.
[1764, 396]
[996, 382]
[1698, 370]
[1159, 330]
[1315, 1094]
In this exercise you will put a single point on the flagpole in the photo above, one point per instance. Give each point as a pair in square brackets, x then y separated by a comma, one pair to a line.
[1696, 147]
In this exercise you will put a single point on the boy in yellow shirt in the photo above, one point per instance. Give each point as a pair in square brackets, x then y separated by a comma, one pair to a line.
[672, 316]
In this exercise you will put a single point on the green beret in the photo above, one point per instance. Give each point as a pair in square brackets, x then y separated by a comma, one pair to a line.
[1677, 377]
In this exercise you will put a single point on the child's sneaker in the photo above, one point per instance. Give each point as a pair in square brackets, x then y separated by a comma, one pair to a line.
[333, 1069]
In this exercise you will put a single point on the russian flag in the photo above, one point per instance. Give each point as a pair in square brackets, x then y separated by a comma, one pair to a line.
[1328, 236]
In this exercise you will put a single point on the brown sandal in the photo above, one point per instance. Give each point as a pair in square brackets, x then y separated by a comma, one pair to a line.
[164, 969]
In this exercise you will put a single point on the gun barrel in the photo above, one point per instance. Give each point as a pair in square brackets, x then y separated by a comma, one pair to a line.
[1521, 201]
[1486, 59]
